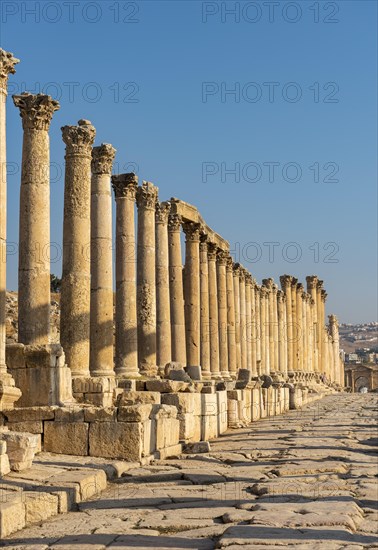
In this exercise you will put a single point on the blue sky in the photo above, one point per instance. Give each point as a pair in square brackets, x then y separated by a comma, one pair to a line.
[155, 78]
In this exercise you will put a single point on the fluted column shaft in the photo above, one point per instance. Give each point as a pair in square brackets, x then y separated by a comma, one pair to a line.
[222, 313]
[101, 312]
[299, 307]
[163, 314]
[126, 339]
[312, 282]
[243, 339]
[236, 274]
[258, 330]
[248, 316]
[281, 333]
[192, 292]
[286, 287]
[75, 293]
[270, 320]
[7, 63]
[147, 196]
[34, 299]
[176, 290]
[204, 310]
[231, 347]
[253, 331]
[294, 322]
[213, 311]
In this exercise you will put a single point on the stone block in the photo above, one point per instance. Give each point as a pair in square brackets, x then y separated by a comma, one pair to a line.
[209, 404]
[134, 397]
[179, 375]
[4, 465]
[173, 450]
[198, 447]
[167, 432]
[190, 427]
[32, 427]
[73, 413]
[184, 402]
[194, 371]
[12, 517]
[255, 404]
[134, 413]
[166, 386]
[100, 414]
[96, 384]
[233, 414]
[21, 448]
[31, 414]
[70, 438]
[163, 411]
[39, 506]
[209, 427]
[123, 440]
[104, 399]
[15, 356]
[3, 447]
[222, 411]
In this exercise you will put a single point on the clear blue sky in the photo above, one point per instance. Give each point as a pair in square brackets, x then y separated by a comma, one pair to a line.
[153, 78]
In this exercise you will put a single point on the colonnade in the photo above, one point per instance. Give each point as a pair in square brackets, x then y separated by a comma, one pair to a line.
[206, 310]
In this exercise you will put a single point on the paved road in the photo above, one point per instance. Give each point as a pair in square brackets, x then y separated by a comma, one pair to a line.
[306, 480]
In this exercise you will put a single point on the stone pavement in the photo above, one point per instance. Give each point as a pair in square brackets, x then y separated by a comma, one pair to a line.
[307, 479]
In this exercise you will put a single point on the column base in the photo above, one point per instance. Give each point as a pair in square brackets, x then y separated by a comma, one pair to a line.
[99, 391]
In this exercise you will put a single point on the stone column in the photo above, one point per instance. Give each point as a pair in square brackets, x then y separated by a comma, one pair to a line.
[204, 311]
[176, 290]
[253, 331]
[222, 312]
[126, 339]
[248, 315]
[281, 306]
[163, 313]
[294, 322]
[75, 293]
[236, 275]
[34, 299]
[243, 339]
[147, 196]
[101, 313]
[8, 392]
[192, 292]
[286, 281]
[258, 329]
[299, 327]
[320, 325]
[309, 329]
[304, 332]
[323, 298]
[213, 311]
[231, 342]
[334, 331]
[312, 282]
[269, 329]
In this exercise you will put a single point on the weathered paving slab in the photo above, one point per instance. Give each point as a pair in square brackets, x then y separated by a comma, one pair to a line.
[305, 480]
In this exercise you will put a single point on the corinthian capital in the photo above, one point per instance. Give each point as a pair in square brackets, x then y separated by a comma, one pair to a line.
[125, 186]
[102, 159]
[79, 139]
[147, 196]
[312, 281]
[174, 222]
[323, 295]
[268, 283]
[212, 250]
[222, 257]
[192, 231]
[286, 281]
[162, 212]
[36, 111]
[7, 63]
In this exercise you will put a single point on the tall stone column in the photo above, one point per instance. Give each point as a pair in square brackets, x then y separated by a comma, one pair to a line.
[282, 367]
[126, 338]
[243, 335]
[236, 275]
[258, 329]
[321, 324]
[304, 332]
[192, 292]
[222, 313]
[248, 316]
[231, 342]
[334, 331]
[76, 286]
[34, 299]
[101, 313]
[213, 311]
[147, 196]
[253, 331]
[294, 322]
[312, 282]
[300, 327]
[176, 290]
[286, 281]
[204, 311]
[309, 329]
[8, 392]
[269, 330]
[163, 314]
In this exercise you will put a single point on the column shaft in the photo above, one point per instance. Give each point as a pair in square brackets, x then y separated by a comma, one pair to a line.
[231, 319]
[222, 312]
[213, 312]
[176, 290]
[243, 316]
[236, 272]
[204, 311]
[248, 315]
[147, 196]
[163, 314]
[75, 293]
[101, 311]
[192, 293]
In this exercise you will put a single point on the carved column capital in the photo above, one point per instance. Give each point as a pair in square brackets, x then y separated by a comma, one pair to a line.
[281, 297]
[229, 264]
[174, 222]
[312, 281]
[237, 267]
[192, 231]
[36, 111]
[333, 320]
[147, 196]
[162, 212]
[286, 281]
[222, 256]
[268, 283]
[323, 295]
[212, 251]
[300, 289]
[102, 158]
[79, 139]
[7, 63]
[125, 186]
[248, 279]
